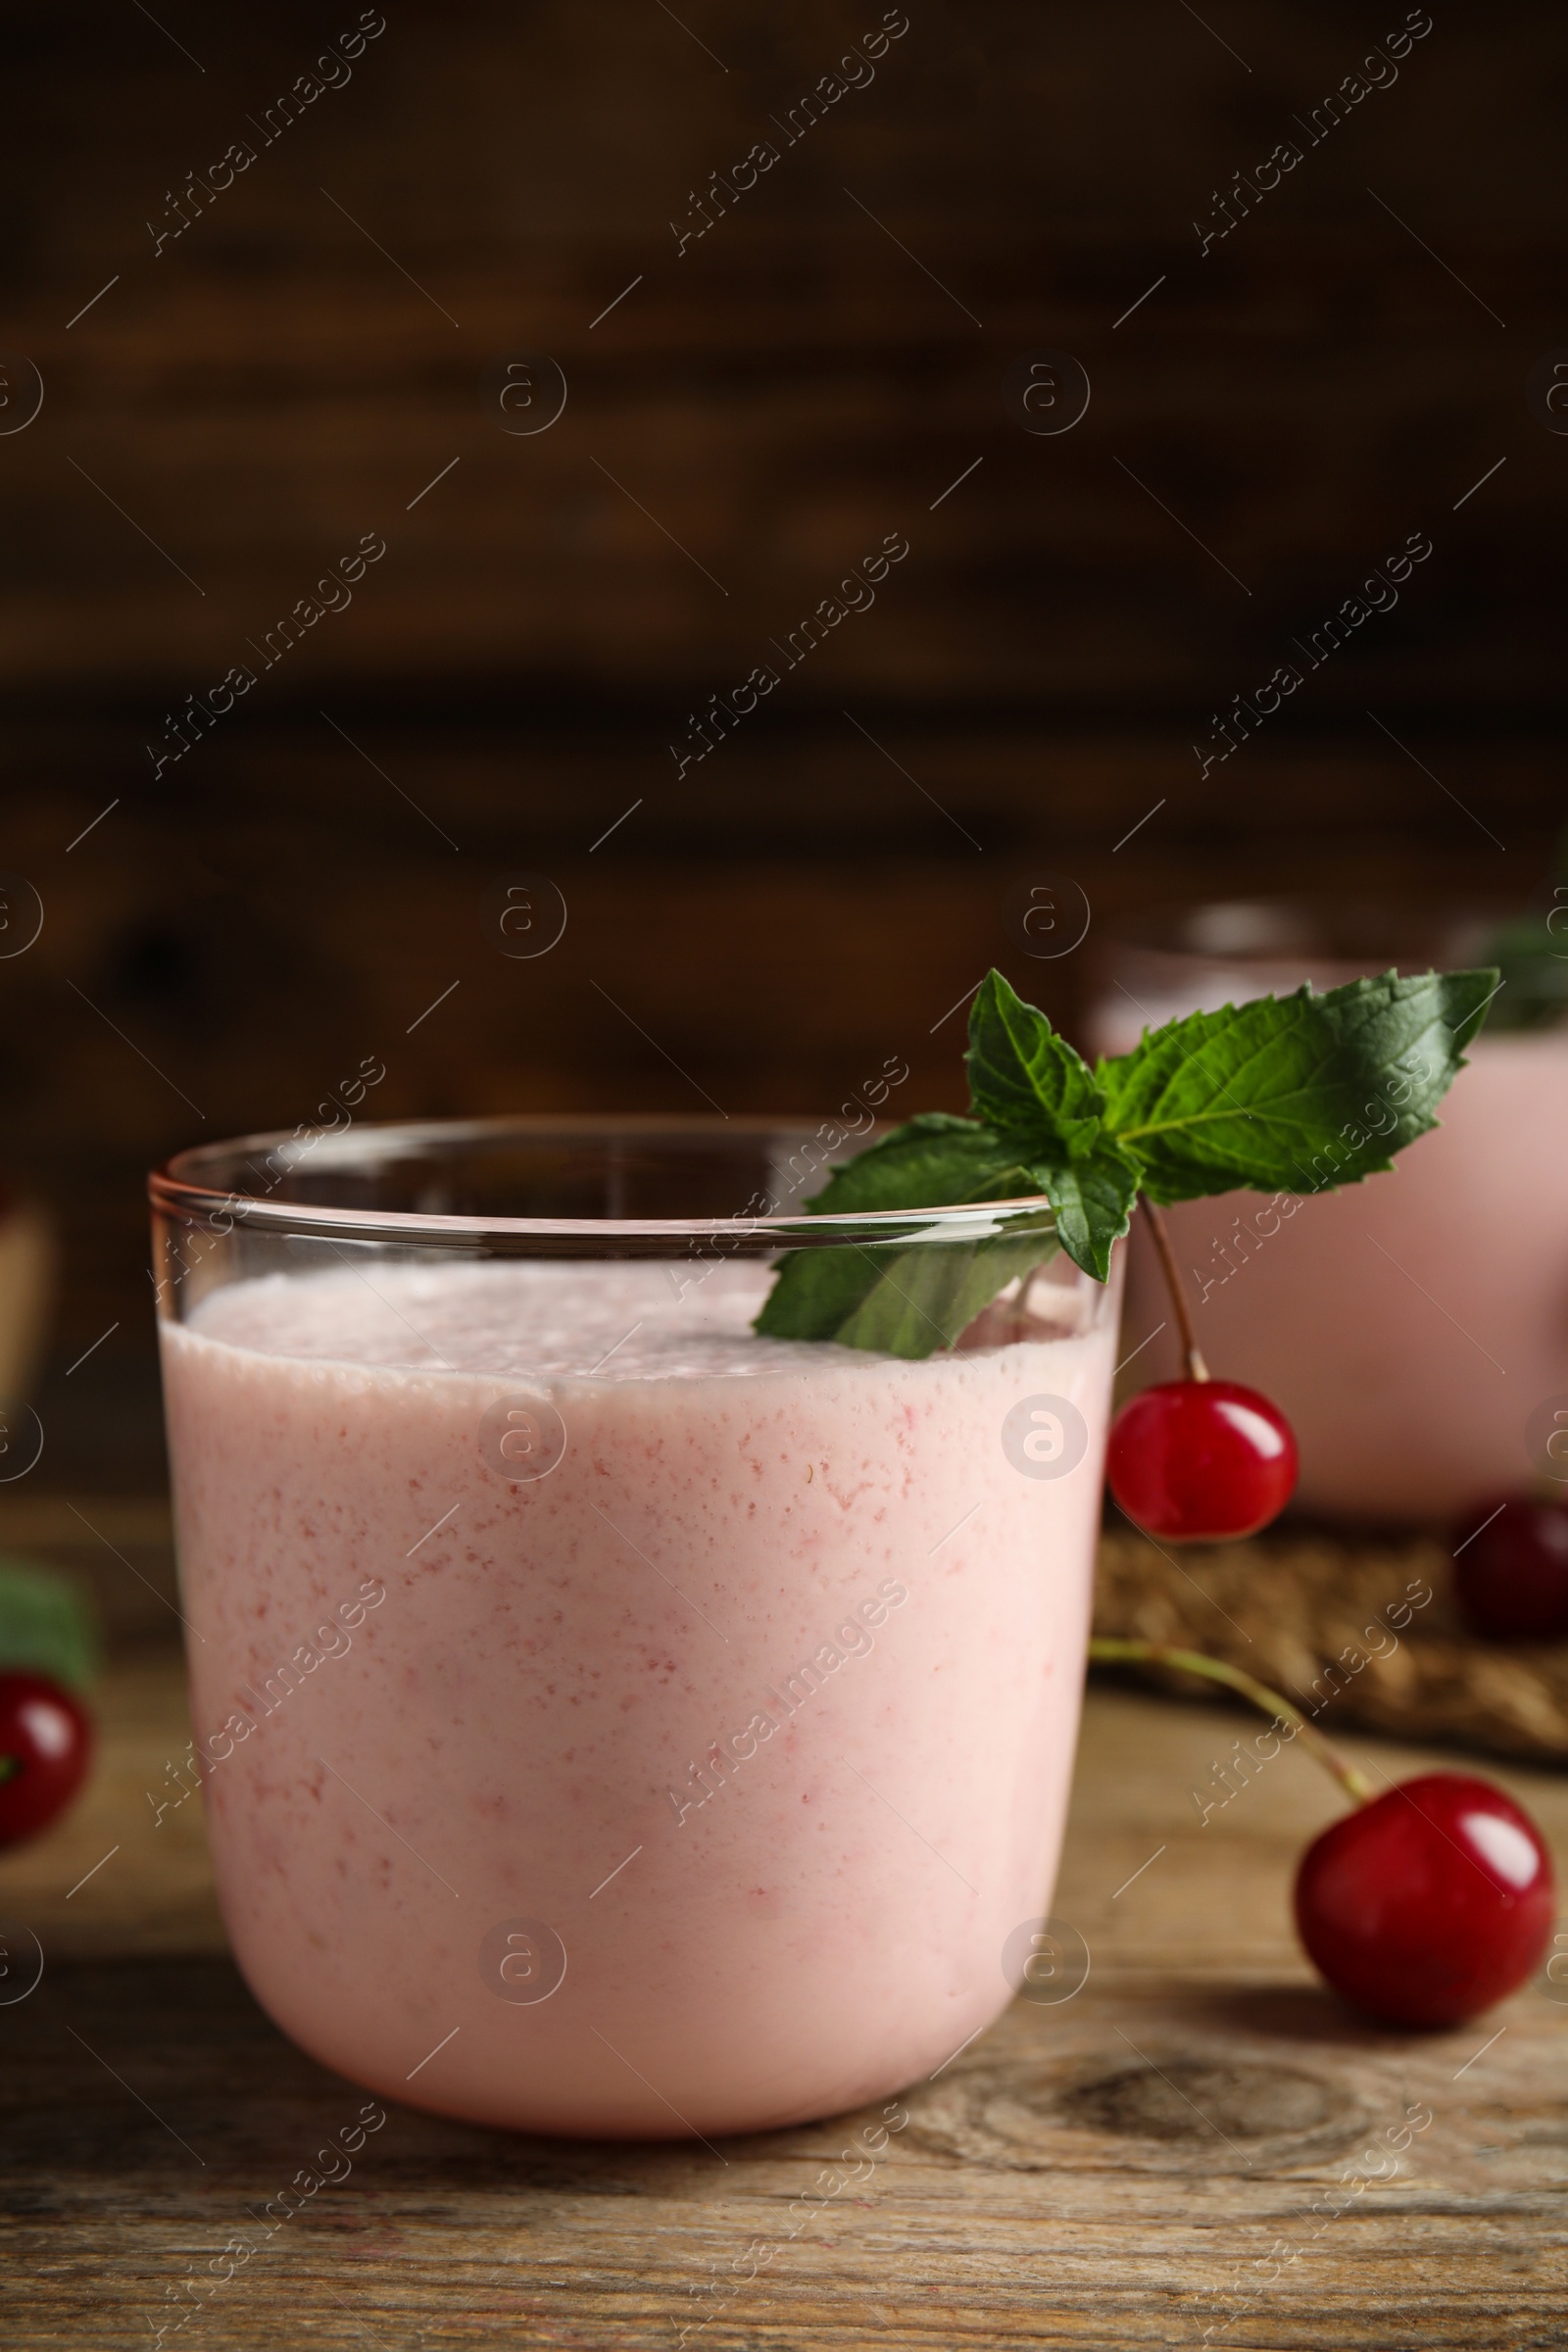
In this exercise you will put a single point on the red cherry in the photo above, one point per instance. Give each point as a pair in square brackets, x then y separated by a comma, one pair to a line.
[1510, 1569]
[1430, 1903]
[1202, 1459]
[46, 1746]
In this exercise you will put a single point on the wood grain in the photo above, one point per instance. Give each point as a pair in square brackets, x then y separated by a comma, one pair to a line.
[1177, 2148]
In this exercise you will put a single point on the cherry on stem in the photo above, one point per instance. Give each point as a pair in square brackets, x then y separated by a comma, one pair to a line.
[1199, 1460]
[1425, 1905]
[1429, 1904]
[1109, 1649]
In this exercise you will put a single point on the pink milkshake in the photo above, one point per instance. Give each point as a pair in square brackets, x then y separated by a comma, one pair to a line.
[1407, 1325]
[613, 1722]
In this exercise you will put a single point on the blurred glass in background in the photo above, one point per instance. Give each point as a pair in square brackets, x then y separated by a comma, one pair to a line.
[1408, 1324]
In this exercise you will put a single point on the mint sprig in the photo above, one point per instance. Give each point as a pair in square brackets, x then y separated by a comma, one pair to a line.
[1295, 1094]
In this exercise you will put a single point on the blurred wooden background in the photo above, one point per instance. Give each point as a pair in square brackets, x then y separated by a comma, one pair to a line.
[745, 419]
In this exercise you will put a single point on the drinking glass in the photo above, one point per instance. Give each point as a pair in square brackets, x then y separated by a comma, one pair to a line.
[613, 1722]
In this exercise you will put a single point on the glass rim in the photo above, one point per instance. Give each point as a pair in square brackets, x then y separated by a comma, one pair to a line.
[176, 1189]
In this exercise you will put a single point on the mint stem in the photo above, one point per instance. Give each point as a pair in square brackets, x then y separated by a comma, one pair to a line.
[1196, 1370]
[1107, 1649]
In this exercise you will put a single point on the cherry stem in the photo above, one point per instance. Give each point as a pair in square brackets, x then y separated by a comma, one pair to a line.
[1106, 1649]
[1196, 1370]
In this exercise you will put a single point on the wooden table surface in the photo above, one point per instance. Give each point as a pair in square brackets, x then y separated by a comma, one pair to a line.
[1196, 2147]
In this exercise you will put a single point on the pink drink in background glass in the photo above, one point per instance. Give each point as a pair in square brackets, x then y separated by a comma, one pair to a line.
[697, 1784]
[1408, 1324]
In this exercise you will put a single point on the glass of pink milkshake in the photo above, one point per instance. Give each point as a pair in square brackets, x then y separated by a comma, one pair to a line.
[613, 1722]
[1407, 1325]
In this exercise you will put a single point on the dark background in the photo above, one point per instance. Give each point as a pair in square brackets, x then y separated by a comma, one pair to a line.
[235, 934]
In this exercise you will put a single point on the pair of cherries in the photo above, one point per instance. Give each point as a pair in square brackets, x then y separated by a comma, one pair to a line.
[1432, 1901]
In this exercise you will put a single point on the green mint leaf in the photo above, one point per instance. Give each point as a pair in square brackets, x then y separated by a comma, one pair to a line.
[912, 1298]
[1093, 1198]
[45, 1625]
[906, 1300]
[1027, 1081]
[1292, 1094]
[932, 1162]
